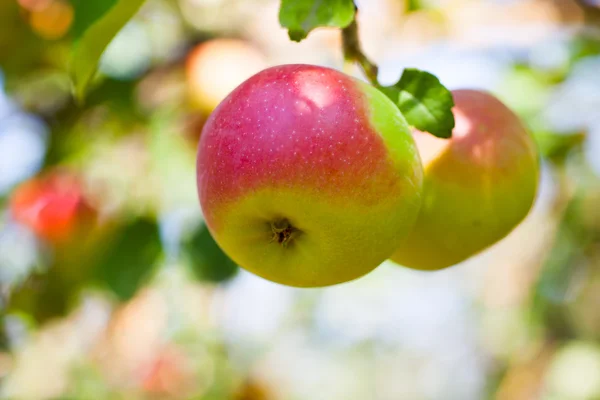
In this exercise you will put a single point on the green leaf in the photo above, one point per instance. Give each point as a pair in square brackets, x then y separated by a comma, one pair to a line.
[129, 258]
[302, 16]
[206, 259]
[424, 101]
[96, 23]
[557, 147]
[86, 13]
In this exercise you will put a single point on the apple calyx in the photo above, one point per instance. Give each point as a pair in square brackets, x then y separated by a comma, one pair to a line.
[283, 232]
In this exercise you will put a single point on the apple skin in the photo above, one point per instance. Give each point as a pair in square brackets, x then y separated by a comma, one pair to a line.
[308, 177]
[479, 185]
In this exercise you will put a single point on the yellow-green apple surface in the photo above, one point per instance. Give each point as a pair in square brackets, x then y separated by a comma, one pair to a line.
[478, 185]
[308, 177]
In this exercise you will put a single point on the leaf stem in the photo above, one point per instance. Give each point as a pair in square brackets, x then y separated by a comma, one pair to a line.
[354, 53]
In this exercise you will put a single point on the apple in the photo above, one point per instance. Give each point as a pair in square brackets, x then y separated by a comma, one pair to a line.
[53, 19]
[308, 177]
[478, 186]
[53, 206]
[215, 67]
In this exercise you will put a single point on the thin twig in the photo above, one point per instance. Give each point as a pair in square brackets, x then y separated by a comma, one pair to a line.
[353, 52]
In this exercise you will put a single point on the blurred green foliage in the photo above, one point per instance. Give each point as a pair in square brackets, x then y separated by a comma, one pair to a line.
[206, 259]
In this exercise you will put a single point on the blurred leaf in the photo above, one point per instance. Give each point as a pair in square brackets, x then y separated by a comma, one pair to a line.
[87, 12]
[20, 48]
[564, 258]
[96, 23]
[424, 101]
[110, 109]
[413, 5]
[302, 16]
[173, 162]
[556, 147]
[563, 268]
[206, 259]
[4, 341]
[43, 92]
[525, 90]
[52, 285]
[87, 382]
[583, 46]
[43, 296]
[129, 258]
[572, 238]
[120, 259]
[119, 96]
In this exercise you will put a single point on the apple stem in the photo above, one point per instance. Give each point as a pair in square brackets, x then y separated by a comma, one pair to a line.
[354, 53]
[283, 232]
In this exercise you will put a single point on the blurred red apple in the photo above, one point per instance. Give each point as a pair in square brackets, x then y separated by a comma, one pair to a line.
[53, 206]
[214, 68]
[169, 373]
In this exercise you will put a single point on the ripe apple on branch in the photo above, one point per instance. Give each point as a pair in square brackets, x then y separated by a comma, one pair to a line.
[309, 177]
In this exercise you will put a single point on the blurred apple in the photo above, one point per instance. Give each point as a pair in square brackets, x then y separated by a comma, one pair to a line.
[52, 21]
[53, 206]
[479, 185]
[216, 67]
[169, 373]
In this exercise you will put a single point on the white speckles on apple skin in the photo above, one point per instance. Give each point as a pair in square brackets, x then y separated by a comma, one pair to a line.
[302, 118]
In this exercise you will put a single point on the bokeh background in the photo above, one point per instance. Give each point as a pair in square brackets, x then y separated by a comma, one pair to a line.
[112, 288]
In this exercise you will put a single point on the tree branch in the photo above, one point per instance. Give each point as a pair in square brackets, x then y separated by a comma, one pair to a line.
[353, 52]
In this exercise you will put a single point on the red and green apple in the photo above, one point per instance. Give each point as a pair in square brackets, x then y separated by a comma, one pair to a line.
[478, 185]
[308, 177]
